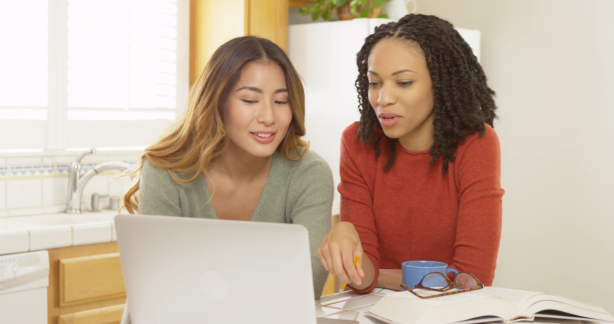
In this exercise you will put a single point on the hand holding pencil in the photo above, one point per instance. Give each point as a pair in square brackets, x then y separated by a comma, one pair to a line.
[337, 250]
[343, 284]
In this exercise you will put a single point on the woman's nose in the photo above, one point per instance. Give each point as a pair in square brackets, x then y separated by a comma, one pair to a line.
[386, 97]
[266, 114]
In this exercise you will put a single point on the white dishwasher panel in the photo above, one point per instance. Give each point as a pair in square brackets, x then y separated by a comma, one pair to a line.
[24, 278]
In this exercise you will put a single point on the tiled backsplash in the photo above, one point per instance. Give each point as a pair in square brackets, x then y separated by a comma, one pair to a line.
[34, 185]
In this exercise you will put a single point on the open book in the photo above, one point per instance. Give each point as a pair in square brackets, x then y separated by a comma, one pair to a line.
[489, 304]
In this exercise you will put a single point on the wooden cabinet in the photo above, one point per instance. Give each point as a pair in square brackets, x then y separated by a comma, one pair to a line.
[214, 22]
[111, 314]
[268, 19]
[86, 285]
[90, 278]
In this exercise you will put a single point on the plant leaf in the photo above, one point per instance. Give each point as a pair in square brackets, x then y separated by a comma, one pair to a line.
[383, 16]
[326, 14]
[304, 10]
[365, 13]
[379, 3]
[315, 15]
[354, 7]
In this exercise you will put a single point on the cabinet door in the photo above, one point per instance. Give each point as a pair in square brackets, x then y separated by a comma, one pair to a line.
[90, 278]
[268, 19]
[104, 315]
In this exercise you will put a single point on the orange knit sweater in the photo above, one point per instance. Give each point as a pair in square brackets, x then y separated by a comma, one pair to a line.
[415, 212]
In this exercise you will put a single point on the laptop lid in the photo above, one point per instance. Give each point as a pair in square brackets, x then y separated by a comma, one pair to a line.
[193, 270]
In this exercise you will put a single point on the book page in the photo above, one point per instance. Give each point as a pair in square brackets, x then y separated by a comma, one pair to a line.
[568, 301]
[507, 304]
[590, 313]
[404, 307]
[438, 301]
[398, 310]
[518, 297]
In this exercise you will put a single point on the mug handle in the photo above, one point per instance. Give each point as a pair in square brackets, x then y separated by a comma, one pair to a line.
[454, 271]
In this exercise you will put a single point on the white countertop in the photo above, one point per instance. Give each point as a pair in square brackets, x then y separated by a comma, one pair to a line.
[41, 232]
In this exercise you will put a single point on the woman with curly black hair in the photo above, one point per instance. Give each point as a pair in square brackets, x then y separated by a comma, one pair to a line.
[421, 171]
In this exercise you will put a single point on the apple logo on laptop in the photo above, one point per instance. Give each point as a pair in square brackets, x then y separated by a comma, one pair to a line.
[214, 285]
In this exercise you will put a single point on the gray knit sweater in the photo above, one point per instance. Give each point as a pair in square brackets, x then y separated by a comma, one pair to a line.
[298, 192]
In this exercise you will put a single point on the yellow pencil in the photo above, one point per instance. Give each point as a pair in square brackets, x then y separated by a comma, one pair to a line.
[343, 283]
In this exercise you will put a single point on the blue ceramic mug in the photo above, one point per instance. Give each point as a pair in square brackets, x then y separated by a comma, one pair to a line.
[414, 271]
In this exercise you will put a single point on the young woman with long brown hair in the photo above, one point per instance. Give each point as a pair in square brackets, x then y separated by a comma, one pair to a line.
[421, 171]
[237, 154]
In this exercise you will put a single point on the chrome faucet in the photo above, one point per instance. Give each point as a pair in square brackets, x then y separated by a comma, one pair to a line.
[77, 182]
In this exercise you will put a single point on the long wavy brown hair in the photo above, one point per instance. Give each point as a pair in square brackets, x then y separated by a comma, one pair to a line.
[199, 137]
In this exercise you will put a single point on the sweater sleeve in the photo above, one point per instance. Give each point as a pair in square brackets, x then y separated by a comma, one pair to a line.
[357, 208]
[309, 203]
[157, 196]
[478, 232]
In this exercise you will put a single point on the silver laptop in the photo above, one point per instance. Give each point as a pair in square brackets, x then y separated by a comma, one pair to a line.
[189, 270]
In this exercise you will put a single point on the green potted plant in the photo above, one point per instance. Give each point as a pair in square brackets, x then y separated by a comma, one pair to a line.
[345, 9]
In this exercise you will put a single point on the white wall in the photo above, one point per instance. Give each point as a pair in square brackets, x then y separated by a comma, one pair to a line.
[324, 54]
[550, 63]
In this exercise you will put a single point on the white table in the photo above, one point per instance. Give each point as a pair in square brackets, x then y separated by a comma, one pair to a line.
[349, 305]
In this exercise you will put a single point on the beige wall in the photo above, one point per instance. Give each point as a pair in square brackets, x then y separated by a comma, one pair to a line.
[550, 62]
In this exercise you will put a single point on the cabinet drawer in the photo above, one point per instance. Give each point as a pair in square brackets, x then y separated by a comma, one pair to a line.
[90, 278]
[104, 315]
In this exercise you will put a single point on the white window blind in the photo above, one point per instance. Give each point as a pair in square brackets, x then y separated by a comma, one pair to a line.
[122, 60]
[82, 73]
[23, 60]
[24, 74]
[126, 71]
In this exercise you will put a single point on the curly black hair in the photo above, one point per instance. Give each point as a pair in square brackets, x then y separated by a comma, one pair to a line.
[463, 101]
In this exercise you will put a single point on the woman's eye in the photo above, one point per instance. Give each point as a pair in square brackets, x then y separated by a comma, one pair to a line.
[373, 84]
[405, 83]
[249, 101]
[281, 102]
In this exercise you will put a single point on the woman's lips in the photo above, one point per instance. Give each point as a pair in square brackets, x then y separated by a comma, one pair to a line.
[263, 137]
[389, 119]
